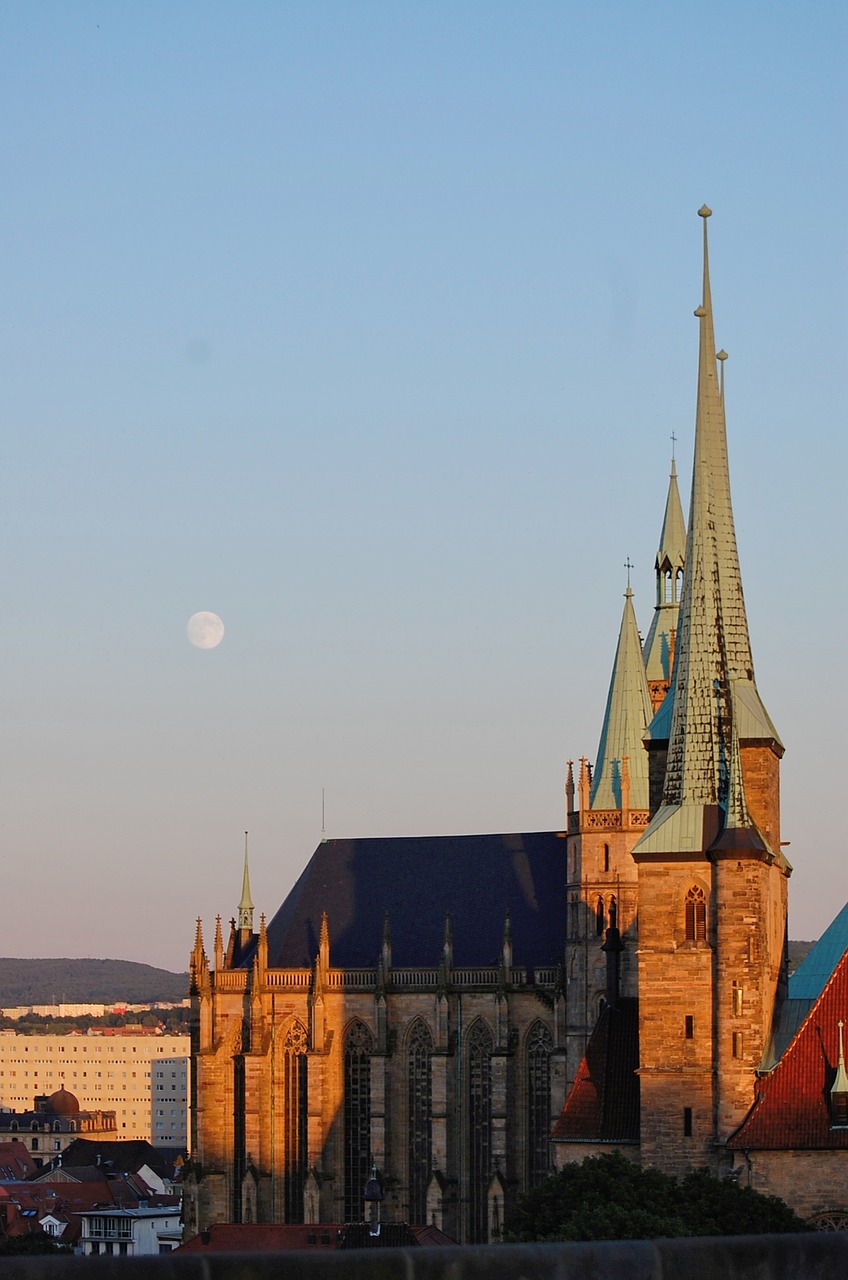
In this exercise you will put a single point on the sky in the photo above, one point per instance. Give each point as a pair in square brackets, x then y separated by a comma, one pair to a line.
[367, 327]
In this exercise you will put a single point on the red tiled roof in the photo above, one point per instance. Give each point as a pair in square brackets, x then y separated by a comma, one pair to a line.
[603, 1103]
[15, 1160]
[792, 1108]
[253, 1237]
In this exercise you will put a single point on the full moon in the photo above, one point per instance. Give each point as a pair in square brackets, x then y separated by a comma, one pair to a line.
[205, 630]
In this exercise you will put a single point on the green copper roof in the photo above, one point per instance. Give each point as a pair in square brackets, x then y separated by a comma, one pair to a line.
[714, 671]
[808, 980]
[627, 714]
[670, 559]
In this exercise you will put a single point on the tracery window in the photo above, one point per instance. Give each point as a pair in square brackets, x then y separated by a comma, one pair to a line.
[696, 915]
[420, 1097]
[359, 1045]
[480, 1046]
[294, 1121]
[540, 1046]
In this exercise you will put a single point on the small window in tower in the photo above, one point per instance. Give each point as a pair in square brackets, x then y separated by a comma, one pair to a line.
[606, 857]
[737, 999]
[689, 1024]
[687, 1122]
[737, 1044]
[600, 918]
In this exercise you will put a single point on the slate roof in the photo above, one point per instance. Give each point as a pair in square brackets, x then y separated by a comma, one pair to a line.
[603, 1103]
[792, 1111]
[713, 692]
[118, 1157]
[417, 879]
[626, 717]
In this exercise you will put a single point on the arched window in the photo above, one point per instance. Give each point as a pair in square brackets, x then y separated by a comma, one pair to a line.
[294, 1119]
[359, 1045]
[696, 915]
[606, 857]
[600, 918]
[419, 1140]
[540, 1046]
[479, 1087]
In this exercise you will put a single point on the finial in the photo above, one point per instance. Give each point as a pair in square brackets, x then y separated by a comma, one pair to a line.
[628, 566]
[323, 828]
[722, 356]
[705, 211]
[673, 457]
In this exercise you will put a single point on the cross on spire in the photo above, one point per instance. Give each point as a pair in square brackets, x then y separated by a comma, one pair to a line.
[628, 566]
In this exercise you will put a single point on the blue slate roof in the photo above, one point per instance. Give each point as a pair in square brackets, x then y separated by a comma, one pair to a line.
[417, 879]
[808, 980]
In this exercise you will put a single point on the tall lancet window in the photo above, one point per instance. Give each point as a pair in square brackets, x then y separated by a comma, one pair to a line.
[358, 1047]
[696, 915]
[420, 1096]
[540, 1046]
[480, 1046]
[294, 1122]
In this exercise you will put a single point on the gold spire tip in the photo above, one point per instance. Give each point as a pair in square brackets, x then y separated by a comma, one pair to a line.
[705, 211]
[721, 355]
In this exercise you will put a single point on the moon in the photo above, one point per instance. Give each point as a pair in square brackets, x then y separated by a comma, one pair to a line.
[205, 630]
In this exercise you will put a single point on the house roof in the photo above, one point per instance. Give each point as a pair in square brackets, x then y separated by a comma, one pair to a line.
[792, 1107]
[244, 1237]
[416, 881]
[603, 1103]
[808, 980]
[118, 1157]
[15, 1161]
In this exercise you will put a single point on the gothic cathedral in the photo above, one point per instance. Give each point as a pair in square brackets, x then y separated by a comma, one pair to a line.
[428, 1006]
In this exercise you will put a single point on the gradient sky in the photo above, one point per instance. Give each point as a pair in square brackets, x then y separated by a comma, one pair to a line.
[367, 326]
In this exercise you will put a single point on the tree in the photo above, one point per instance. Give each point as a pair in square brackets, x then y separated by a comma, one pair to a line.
[607, 1197]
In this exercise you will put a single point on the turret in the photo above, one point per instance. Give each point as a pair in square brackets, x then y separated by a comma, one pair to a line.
[658, 652]
[245, 906]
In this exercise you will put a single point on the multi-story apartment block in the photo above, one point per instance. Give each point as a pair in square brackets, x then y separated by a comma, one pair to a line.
[105, 1072]
[169, 1102]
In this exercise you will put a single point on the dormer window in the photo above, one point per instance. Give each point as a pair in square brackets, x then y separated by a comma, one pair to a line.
[839, 1091]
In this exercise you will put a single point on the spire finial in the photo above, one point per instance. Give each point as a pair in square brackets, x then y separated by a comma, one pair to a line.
[628, 566]
[245, 907]
[673, 457]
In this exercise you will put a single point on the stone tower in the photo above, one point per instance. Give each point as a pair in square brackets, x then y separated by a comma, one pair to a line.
[610, 815]
[712, 880]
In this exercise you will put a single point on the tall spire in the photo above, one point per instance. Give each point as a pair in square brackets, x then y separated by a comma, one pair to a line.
[658, 651]
[625, 720]
[713, 692]
[245, 907]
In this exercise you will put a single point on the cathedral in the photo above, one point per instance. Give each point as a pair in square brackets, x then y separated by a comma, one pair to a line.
[455, 1015]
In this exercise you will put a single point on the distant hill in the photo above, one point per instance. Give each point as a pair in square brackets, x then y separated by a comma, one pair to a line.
[87, 982]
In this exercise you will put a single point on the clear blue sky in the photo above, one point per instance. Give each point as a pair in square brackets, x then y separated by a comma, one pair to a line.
[366, 326]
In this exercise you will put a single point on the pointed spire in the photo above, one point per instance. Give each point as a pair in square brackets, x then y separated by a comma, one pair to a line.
[245, 906]
[324, 944]
[447, 943]
[569, 787]
[386, 951]
[713, 645]
[671, 556]
[626, 717]
[219, 944]
[506, 947]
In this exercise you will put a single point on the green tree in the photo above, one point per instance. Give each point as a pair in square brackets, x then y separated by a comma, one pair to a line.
[608, 1197]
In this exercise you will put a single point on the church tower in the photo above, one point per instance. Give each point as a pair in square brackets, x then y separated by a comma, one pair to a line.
[611, 814]
[711, 877]
[660, 644]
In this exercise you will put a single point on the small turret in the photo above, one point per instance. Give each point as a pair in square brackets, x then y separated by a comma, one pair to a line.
[658, 652]
[245, 906]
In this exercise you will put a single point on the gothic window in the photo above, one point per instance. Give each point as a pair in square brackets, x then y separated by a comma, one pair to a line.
[479, 1128]
[359, 1045]
[606, 857]
[696, 915]
[540, 1046]
[419, 1095]
[600, 918]
[574, 910]
[294, 1121]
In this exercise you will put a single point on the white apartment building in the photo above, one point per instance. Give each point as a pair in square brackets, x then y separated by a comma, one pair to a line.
[130, 1232]
[105, 1073]
[169, 1081]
